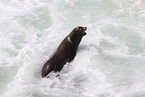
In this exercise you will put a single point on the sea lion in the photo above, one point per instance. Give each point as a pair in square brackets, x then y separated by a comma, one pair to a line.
[65, 52]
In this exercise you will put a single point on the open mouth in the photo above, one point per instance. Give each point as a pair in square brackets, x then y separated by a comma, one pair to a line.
[84, 33]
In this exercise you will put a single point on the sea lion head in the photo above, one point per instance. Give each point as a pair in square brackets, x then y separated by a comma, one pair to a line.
[76, 35]
[81, 30]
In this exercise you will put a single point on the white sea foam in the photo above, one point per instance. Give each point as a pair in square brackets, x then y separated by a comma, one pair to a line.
[110, 59]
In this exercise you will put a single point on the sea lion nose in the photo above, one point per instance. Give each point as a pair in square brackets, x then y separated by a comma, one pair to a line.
[85, 28]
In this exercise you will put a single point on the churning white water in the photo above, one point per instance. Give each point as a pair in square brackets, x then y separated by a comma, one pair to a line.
[110, 61]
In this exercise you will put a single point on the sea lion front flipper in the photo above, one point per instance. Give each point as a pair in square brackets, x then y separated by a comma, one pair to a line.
[46, 69]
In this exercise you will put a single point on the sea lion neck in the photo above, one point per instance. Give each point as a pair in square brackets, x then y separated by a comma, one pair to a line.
[75, 38]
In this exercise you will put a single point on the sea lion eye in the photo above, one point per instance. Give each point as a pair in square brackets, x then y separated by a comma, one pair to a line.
[80, 28]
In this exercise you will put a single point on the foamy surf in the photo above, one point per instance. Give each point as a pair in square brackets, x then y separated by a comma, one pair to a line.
[110, 59]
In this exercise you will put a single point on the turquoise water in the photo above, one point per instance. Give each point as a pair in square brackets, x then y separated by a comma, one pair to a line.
[110, 61]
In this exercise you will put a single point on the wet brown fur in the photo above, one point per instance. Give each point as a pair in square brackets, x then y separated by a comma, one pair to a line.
[65, 52]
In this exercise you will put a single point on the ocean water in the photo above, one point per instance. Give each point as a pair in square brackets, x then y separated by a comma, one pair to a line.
[110, 61]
